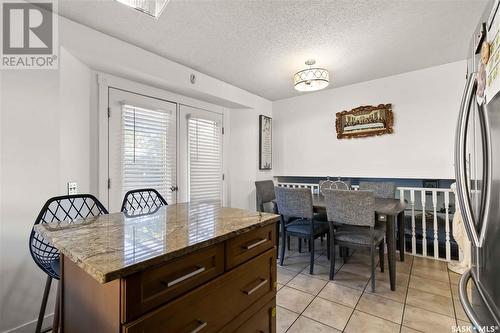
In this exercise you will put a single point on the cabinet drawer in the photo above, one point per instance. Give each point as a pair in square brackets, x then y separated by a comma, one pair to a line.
[249, 245]
[263, 321]
[146, 290]
[211, 306]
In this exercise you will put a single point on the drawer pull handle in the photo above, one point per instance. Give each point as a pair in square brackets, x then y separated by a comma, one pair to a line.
[257, 243]
[201, 325]
[183, 278]
[257, 287]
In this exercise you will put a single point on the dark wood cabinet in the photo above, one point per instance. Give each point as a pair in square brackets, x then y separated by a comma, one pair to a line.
[226, 287]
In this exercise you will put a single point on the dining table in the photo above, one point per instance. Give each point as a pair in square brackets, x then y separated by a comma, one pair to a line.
[391, 212]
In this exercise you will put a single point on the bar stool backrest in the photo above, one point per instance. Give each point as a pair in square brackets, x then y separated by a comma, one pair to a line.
[142, 201]
[59, 209]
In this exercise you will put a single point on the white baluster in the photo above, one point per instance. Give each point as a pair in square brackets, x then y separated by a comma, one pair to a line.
[413, 237]
[434, 209]
[424, 224]
[447, 225]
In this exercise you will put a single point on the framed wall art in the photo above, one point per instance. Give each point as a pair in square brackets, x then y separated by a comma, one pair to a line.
[364, 121]
[265, 143]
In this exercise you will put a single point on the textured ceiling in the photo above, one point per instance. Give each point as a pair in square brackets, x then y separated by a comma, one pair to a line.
[258, 44]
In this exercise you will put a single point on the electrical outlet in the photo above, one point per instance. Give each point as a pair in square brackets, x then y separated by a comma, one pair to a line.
[72, 188]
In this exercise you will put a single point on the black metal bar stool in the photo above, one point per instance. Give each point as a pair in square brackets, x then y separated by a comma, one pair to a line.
[62, 208]
[142, 201]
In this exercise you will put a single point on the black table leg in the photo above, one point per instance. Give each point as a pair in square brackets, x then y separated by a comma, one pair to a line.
[401, 235]
[391, 249]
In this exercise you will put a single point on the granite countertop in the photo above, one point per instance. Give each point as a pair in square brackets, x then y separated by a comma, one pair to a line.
[112, 246]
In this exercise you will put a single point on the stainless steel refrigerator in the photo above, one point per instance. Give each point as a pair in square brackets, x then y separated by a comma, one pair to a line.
[477, 168]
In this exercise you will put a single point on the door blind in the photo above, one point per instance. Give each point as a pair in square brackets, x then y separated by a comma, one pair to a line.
[148, 150]
[204, 159]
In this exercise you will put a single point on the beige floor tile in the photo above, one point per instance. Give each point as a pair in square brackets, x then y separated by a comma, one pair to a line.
[340, 294]
[306, 325]
[296, 263]
[356, 268]
[284, 319]
[401, 278]
[323, 260]
[465, 326]
[431, 274]
[383, 289]
[431, 302]
[459, 311]
[328, 313]
[278, 286]
[320, 272]
[454, 277]
[307, 283]
[284, 275]
[419, 262]
[381, 307]
[350, 280]
[426, 321]
[363, 322]
[405, 329]
[292, 299]
[433, 287]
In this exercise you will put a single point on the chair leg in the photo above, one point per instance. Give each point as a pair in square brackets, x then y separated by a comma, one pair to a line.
[288, 242]
[45, 297]
[300, 245]
[311, 248]
[283, 245]
[332, 258]
[328, 246]
[381, 251]
[321, 238]
[372, 254]
[57, 310]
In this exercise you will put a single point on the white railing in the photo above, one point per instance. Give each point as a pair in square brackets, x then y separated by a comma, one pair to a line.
[420, 203]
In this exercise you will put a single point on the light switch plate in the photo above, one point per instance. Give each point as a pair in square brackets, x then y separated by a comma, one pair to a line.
[72, 188]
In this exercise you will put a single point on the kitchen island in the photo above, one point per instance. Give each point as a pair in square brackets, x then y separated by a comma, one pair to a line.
[185, 268]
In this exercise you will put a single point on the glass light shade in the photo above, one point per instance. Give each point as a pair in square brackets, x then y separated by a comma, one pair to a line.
[151, 7]
[311, 79]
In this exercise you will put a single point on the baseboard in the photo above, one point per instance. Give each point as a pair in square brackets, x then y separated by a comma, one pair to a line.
[31, 326]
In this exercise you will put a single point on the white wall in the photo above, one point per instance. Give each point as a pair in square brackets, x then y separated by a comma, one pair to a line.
[425, 105]
[48, 136]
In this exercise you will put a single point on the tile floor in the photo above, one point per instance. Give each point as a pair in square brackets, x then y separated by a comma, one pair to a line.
[425, 300]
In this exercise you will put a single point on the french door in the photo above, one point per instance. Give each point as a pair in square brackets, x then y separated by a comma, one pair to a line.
[142, 146]
[200, 155]
[174, 148]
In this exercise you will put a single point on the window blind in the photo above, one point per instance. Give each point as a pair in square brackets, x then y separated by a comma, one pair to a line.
[205, 159]
[148, 150]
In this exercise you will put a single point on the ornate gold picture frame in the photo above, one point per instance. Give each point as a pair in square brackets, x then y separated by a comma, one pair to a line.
[365, 120]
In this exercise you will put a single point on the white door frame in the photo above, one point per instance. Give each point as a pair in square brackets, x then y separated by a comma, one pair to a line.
[106, 81]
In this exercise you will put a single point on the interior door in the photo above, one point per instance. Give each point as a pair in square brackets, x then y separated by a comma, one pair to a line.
[200, 155]
[142, 146]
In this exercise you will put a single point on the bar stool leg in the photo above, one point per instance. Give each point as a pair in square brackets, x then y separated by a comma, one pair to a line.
[57, 310]
[41, 314]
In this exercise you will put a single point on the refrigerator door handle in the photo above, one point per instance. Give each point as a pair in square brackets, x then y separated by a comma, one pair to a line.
[464, 300]
[460, 167]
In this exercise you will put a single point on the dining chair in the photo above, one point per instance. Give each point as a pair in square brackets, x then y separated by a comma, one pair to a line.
[46, 256]
[355, 210]
[384, 190]
[297, 203]
[265, 197]
[142, 201]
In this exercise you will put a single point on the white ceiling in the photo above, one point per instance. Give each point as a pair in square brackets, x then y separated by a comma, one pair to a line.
[258, 44]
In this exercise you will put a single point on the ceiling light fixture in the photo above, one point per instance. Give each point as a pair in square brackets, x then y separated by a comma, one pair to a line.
[311, 79]
[151, 7]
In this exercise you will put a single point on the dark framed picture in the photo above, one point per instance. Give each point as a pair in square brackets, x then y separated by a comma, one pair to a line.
[265, 143]
[364, 121]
